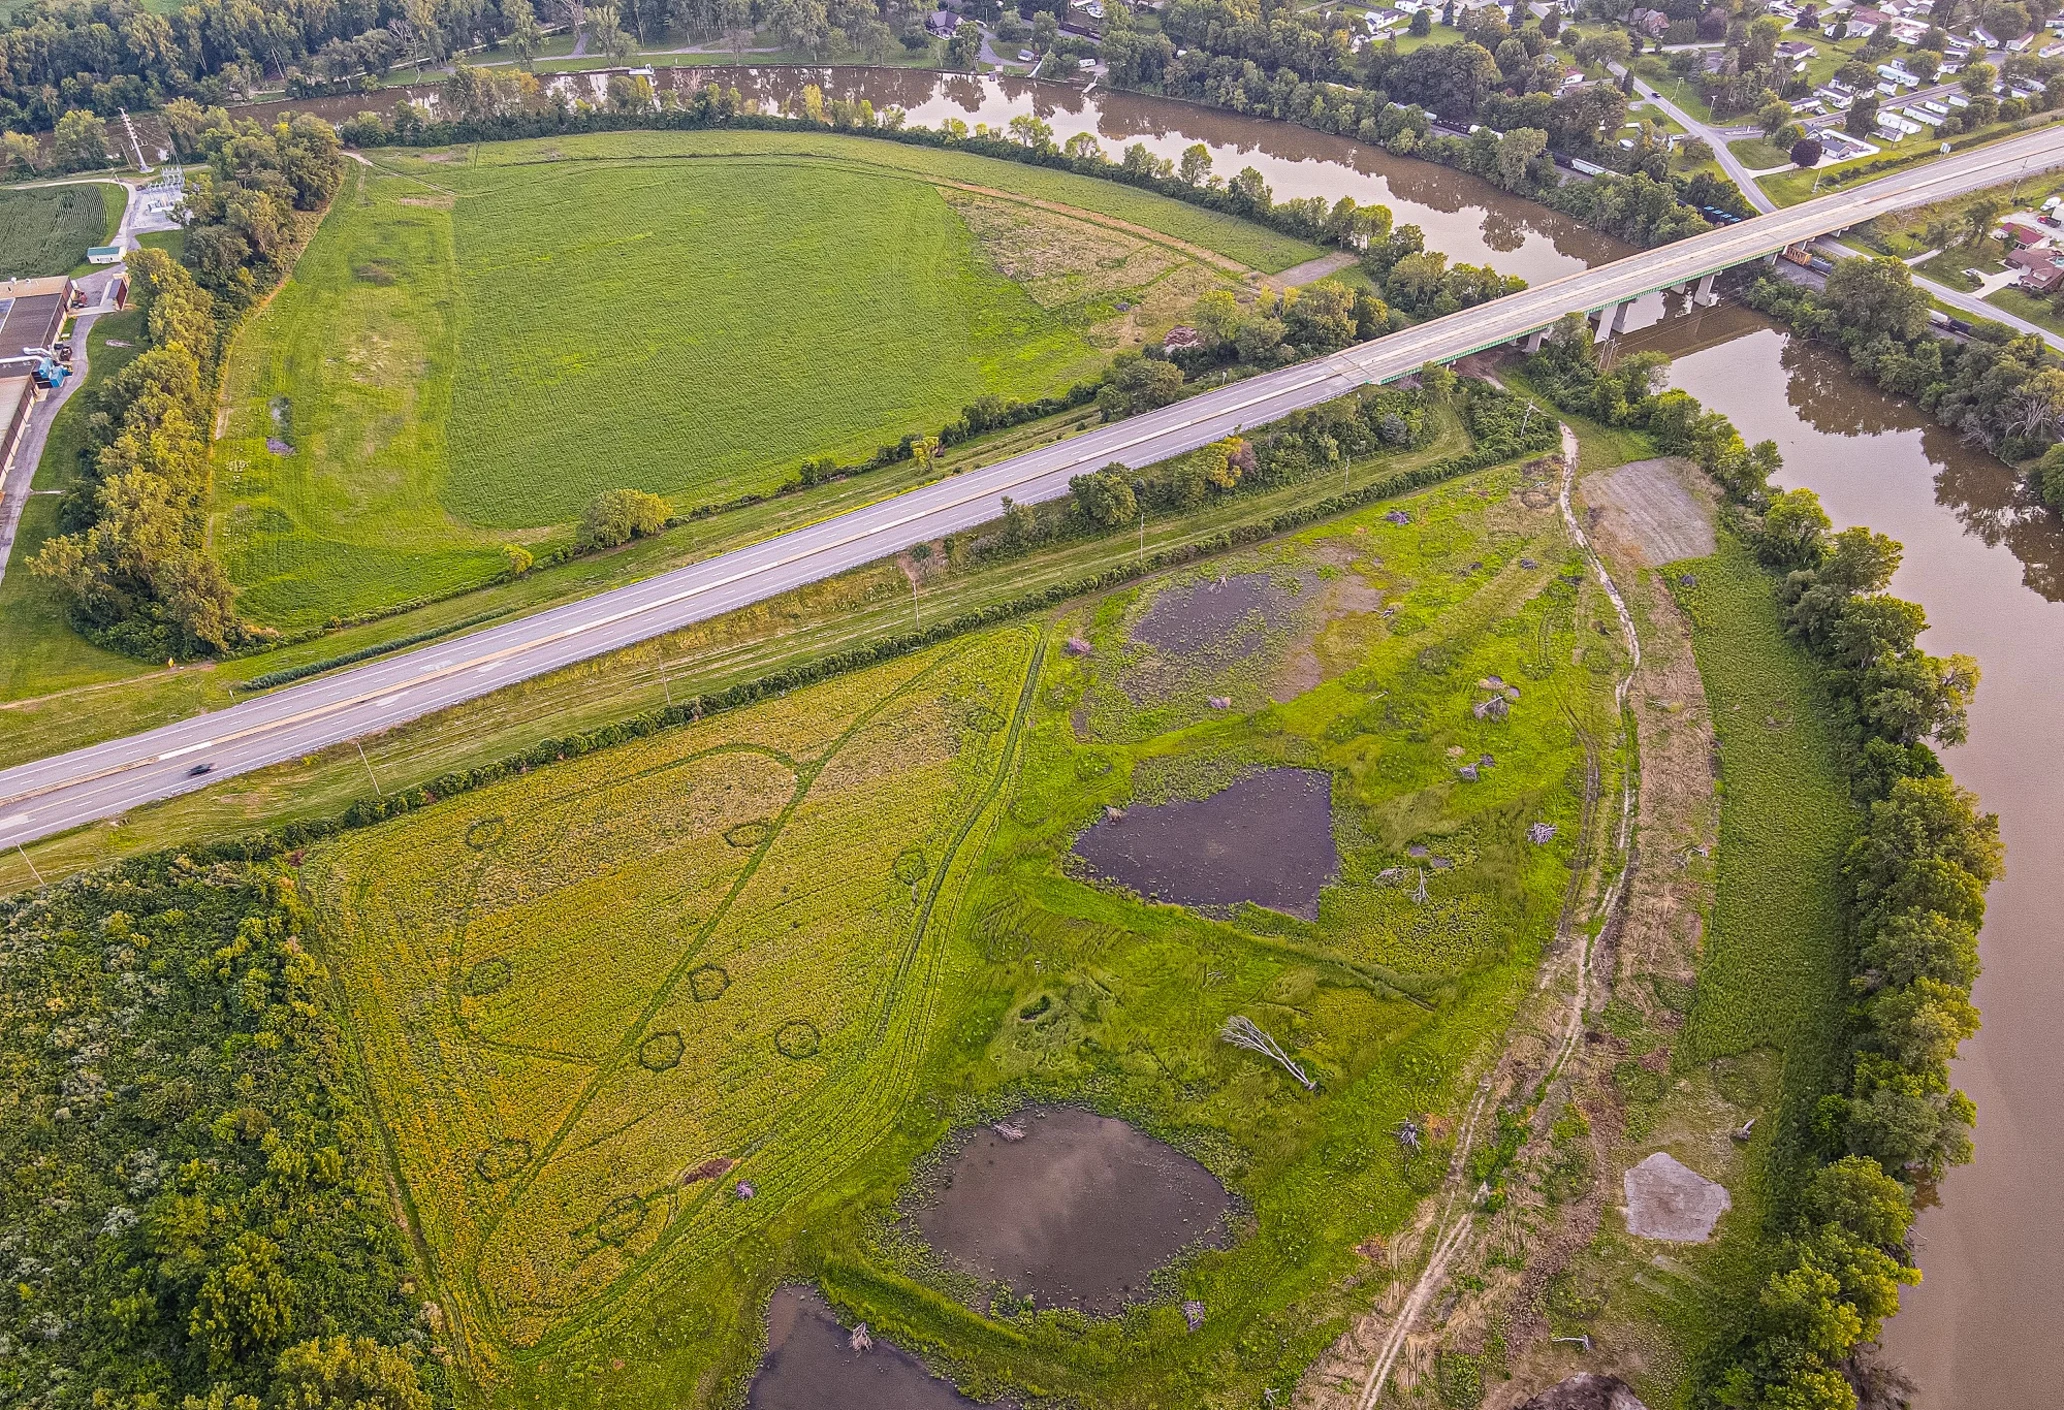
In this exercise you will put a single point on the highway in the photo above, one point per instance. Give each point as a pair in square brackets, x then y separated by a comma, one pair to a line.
[106, 780]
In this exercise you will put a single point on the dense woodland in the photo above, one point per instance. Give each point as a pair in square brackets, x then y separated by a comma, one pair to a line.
[190, 1217]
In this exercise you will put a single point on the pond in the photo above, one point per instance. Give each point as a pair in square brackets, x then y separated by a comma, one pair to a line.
[1267, 839]
[814, 1362]
[1071, 1209]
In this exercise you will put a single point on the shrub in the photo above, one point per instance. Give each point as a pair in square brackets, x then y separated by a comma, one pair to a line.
[618, 516]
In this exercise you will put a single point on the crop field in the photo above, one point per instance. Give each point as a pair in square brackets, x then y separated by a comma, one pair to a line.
[478, 342]
[48, 229]
[651, 1030]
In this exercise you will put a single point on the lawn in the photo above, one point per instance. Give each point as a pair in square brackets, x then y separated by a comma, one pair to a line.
[796, 944]
[47, 229]
[471, 349]
[2041, 312]
[1758, 153]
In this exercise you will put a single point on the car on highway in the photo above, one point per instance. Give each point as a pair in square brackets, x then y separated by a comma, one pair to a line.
[198, 769]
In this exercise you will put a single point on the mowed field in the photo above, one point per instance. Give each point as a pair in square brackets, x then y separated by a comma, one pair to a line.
[654, 1029]
[47, 229]
[477, 342]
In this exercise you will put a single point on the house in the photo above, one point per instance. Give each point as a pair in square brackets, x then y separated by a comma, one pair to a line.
[2020, 45]
[941, 23]
[2042, 271]
[1796, 49]
[104, 254]
[1984, 36]
[2051, 51]
[1873, 18]
[1649, 22]
[2025, 236]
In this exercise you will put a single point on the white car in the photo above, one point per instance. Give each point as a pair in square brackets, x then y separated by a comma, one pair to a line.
[1026, 56]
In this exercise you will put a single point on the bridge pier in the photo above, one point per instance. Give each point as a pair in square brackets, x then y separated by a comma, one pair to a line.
[1705, 297]
[1533, 340]
[1612, 319]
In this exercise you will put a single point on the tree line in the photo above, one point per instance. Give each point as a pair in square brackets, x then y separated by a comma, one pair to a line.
[1916, 877]
[131, 554]
[189, 1185]
[1275, 60]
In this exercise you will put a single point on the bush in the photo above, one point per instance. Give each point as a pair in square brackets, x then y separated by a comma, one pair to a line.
[618, 516]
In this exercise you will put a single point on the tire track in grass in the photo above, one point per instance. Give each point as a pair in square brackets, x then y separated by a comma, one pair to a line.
[898, 1037]
[474, 1287]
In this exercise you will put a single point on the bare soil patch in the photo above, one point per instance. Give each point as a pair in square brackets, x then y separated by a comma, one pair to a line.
[814, 1362]
[1647, 505]
[1587, 1391]
[1668, 1200]
[1266, 839]
[1072, 1209]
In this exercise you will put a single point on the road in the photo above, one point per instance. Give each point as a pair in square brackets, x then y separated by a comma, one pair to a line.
[18, 474]
[108, 779]
[1717, 139]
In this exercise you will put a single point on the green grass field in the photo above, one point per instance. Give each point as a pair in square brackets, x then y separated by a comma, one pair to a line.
[47, 229]
[1772, 977]
[801, 937]
[476, 343]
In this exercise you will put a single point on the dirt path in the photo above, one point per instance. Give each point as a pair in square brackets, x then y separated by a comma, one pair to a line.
[1312, 270]
[1452, 1227]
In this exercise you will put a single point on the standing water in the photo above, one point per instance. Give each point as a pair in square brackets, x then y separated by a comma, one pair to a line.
[1986, 1325]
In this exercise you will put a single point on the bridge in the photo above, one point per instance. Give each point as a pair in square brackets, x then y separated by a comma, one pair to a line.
[105, 780]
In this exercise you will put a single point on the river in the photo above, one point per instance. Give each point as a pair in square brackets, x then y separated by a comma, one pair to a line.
[1986, 1327]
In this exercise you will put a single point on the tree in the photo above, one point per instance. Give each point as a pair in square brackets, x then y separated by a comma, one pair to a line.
[1878, 296]
[1863, 116]
[1773, 116]
[1696, 150]
[1029, 131]
[925, 451]
[1046, 28]
[524, 35]
[1421, 25]
[1437, 381]
[617, 516]
[21, 154]
[1196, 163]
[80, 142]
[1806, 152]
[964, 49]
[1607, 48]
[1517, 149]
[348, 1373]
[1105, 497]
[1978, 78]
[1794, 527]
[2049, 477]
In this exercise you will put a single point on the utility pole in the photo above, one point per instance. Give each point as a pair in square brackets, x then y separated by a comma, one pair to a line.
[32, 866]
[913, 600]
[665, 684]
[368, 768]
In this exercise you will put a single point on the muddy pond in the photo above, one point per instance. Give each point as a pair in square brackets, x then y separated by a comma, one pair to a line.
[1267, 839]
[1071, 1209]
[814, 1362]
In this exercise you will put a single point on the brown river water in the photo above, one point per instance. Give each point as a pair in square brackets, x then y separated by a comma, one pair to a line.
[1986, 1326]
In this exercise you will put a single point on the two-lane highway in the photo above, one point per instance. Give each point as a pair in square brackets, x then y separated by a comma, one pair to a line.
[59, 793]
